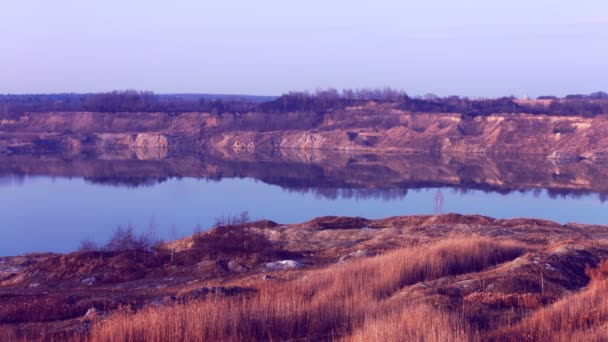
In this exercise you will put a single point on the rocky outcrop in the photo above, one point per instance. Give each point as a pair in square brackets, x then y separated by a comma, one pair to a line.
[378, 129]
[552, 137]
[148, 140]
[282, 265]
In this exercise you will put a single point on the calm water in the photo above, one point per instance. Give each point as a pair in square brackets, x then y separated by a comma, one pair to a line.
[54, 213]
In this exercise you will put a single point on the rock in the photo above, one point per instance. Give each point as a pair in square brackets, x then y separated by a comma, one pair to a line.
[35, 273]
[89, 281]
[6, 271]
[282, 265]
[150, 140]
[234, 266]
[161, 301]
[593, 155]
[216, 291]
[334, 222]
[358, 254]
[561, 155]
[92, 313]
[506, 300]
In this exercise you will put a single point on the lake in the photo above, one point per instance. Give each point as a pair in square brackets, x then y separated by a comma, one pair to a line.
[50, 203]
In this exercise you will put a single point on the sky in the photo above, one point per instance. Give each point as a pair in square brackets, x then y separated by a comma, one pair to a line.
[478, 48]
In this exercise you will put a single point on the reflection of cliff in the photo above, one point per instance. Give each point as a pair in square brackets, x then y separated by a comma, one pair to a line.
[327, 174]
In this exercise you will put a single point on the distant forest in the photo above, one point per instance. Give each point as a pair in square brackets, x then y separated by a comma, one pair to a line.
[317, 102]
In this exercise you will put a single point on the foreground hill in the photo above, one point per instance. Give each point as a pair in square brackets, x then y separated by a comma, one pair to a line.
[447, 278]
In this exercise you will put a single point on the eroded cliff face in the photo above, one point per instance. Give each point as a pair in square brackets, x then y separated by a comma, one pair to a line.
[149, 135]
[371, 128]
[552, 137]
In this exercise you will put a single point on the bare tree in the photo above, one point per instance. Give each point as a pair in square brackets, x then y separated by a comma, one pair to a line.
[232, 220]
[88, 246]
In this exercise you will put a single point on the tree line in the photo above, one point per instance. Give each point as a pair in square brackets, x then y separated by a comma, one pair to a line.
[324, 100]
[122, 101]
[314, 103]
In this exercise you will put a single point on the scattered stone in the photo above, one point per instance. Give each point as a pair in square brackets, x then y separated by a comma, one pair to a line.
[282, 265]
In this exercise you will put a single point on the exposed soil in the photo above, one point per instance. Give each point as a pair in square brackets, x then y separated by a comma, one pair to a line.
[379, 128]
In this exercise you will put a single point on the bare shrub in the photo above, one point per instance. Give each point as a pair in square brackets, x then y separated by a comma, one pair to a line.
[232, 220]
[88, 246]
[126, 239]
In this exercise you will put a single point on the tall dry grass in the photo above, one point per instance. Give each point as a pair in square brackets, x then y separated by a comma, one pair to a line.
[419, 322]
[8, 333]
[326, 304]
[582, 316]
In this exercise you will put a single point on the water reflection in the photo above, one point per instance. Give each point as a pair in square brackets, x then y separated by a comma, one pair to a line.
[51, 202]
[325, 174]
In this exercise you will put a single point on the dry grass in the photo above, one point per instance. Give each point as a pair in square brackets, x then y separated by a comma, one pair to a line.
[388, 273]
[8, 333]
[582, 316]
[342, 300]
[43, 308]
[417, 323]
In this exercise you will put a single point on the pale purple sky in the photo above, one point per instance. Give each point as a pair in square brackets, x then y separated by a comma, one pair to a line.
[465, 47]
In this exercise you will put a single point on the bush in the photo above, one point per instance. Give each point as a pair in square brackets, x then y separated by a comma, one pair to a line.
[124, 239]
[232, 220]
